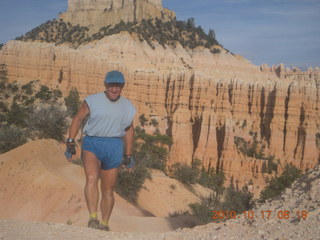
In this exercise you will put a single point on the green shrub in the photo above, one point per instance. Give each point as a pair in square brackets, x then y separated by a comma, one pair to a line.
[152, 149]
[57, 93]
[241, 144]
[17, 115]
[264, 168]
[129, 183]
[255, 149]
[234, 200]
[18, 111]
[44, 93]
[279, 184]
[215, 51]
[15, 88]
[143, 120]
[3, 119]
[185, 174]
[179, 213]
[213, 180]
[154, 122]
[72, 102]
[29, 101]
[272, 166]
[318, 140]
[58, 32]
[11, 137]
[249, 149]
[237, 200]
[3, 73]
[205, 178]
[2, 85]
[48, 122]
[3, 107]
[28, 88]
[203, 210]
[269, 166]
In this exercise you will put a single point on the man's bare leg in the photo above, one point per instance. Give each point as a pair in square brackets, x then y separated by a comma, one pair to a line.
[108, 181]
[91, 192]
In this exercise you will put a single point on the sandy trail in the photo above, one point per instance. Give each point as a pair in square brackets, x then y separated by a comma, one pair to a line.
[38, 184]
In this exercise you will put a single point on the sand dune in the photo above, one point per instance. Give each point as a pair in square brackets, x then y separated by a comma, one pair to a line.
[38, 184]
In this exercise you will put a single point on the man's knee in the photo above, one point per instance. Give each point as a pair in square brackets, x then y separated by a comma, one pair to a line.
[107, 191]
[92, 179]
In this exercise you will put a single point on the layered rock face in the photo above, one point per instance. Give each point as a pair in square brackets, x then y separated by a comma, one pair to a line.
[218, 108]
[204, 100]
[83, 5]
[99, 13]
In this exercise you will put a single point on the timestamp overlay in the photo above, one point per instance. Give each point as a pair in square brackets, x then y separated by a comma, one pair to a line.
[263, 214]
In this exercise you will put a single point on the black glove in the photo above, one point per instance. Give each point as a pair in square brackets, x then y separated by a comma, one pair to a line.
[71, 148]
[128, 161]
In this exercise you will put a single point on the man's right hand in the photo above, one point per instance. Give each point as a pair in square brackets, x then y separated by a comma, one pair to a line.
[71, 149]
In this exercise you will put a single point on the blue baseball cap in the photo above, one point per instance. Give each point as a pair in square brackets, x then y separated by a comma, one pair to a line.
[114, 77]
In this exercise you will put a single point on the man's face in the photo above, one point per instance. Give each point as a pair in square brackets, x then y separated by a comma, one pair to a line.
[113, 90]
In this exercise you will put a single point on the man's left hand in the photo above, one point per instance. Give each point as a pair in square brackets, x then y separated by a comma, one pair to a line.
[128, 161]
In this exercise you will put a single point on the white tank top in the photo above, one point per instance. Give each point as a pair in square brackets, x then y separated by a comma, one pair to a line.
[108, 118]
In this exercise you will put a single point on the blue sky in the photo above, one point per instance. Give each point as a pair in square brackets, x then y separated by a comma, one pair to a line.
[263, 31]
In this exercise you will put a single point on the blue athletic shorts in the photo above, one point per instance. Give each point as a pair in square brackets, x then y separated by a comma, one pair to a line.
[108, 150]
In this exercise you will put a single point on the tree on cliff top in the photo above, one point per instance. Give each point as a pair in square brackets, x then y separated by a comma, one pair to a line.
[152, 31]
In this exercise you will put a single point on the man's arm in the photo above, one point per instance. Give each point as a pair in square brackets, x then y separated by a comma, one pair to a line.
[129, 137]
[78, 118]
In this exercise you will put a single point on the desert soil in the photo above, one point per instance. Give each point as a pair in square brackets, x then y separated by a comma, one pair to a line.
[40, 194]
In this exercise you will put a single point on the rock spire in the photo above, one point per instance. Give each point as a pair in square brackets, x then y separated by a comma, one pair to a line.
[105, 5]
[99, 13]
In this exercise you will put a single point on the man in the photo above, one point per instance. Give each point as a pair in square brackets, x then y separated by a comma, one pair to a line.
[110, 120]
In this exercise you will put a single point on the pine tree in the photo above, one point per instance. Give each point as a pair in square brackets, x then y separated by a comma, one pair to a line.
[72, 102]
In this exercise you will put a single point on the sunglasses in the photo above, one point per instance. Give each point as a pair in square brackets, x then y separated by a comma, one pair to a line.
[114, 85]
